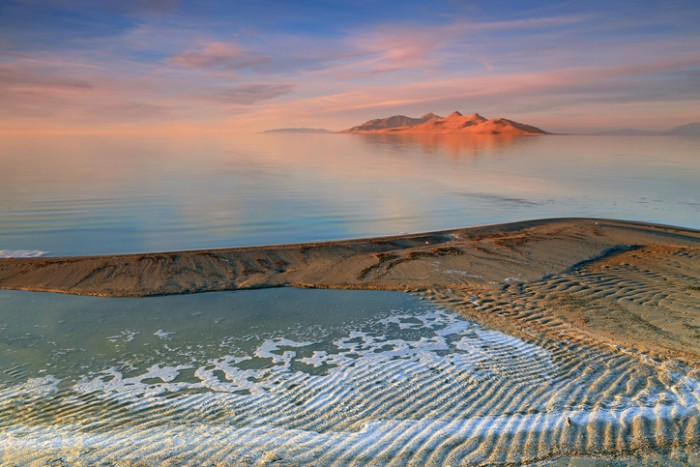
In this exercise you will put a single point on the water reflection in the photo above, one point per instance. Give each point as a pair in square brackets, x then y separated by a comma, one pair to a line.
[454, 146]
[108, 194]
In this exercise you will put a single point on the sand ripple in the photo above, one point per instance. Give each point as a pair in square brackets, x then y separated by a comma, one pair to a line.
[646, 299]
[429, 388]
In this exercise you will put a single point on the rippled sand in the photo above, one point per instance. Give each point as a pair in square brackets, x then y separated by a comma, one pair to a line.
[415, 386]
[645, 299]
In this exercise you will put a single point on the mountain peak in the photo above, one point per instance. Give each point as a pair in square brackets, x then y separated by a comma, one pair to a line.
[455, 123]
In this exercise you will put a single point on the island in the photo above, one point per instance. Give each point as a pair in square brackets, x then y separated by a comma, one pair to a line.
[455, 123]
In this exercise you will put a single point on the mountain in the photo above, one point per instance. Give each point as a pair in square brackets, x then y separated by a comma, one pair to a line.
[692, 129]
[455, 123]
[297, 130]
[397, 121]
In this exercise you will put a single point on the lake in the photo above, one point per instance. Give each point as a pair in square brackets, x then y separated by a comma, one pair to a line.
[71, 195]
[322, 377]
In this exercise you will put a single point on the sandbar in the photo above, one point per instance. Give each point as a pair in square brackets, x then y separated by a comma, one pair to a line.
[629, 285]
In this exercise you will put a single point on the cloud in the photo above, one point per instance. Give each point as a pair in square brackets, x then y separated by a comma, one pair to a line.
[62, 88]
[217, 55]
[391, 50]
[34, 92]
[387, 49]
[16, 77]
[129, 111]
[247, 94]
[425, 49]
[512, 25]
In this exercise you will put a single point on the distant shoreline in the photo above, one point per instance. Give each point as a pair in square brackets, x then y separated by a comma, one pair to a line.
[432, 125]
[298, 130]
[618, 282]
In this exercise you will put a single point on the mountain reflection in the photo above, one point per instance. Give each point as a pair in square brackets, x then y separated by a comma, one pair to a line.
[456, 146]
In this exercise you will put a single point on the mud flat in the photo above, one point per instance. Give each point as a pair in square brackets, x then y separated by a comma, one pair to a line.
[617, 283]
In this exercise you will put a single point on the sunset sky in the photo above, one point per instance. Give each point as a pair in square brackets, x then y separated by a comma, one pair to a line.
[114, 65]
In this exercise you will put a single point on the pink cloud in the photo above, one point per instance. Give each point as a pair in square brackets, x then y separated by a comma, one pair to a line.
[217, 55]
[63, 89]
[14, 76]
[425, 49]
[388, 50]
[29, 91]
[128, 111]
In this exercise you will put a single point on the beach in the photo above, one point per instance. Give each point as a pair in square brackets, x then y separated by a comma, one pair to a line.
[615, 283]
[557, 341]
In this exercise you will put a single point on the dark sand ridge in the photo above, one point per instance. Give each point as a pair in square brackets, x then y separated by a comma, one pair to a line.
[621, 283]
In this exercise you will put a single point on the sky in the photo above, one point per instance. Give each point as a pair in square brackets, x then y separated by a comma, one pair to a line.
[177, 65]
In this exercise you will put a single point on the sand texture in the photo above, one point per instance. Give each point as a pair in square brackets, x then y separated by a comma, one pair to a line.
[622, 283]
[415, 387]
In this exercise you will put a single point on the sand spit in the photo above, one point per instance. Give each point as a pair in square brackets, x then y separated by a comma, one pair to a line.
[623, 283]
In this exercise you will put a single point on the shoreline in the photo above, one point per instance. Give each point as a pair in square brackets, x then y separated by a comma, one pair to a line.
[618, 282]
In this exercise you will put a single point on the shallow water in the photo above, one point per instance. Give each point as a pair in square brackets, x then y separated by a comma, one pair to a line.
[318, 377]
[322, 377]
[75, 195]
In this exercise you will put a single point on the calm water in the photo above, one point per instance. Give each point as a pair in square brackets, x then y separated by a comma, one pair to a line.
[91, 195]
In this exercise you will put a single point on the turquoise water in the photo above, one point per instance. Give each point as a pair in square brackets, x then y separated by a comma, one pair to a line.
[104, 194]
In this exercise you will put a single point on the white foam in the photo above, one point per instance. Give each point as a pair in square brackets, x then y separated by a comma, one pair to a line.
[165, 335]
[43, 386]
[270, 346]
[22, 253]
[127, 335]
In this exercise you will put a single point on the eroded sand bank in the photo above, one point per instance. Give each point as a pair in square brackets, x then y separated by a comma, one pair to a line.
[614, 282]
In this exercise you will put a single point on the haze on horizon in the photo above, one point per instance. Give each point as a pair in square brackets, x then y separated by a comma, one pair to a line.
[85, 66]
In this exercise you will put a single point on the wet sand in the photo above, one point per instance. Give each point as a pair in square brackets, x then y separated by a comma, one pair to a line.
[401, 383]
[616, 283]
